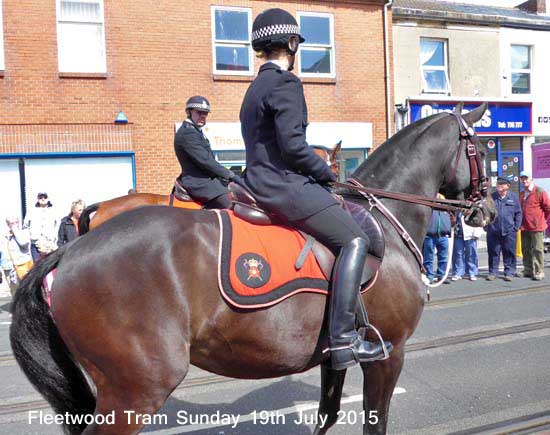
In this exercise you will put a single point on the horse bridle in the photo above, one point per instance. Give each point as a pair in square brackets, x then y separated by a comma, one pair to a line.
[479, 187]
[479, 184]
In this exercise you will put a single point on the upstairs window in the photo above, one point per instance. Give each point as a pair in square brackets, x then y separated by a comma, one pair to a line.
[434, 65]
[81, 36]
[317, 53]
[521, 69]
[231, 29]
[1, 39]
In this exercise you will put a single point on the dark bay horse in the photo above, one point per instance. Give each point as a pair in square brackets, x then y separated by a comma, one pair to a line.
[136, 301]
[103, 211]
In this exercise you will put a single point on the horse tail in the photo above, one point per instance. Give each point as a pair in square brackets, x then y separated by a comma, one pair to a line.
[84, 220]
[41, 352]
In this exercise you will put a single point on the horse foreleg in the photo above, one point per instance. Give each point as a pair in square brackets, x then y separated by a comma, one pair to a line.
[332, 383]
[379, 380]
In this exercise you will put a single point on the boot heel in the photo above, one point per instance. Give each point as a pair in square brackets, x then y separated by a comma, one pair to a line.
[342, 359]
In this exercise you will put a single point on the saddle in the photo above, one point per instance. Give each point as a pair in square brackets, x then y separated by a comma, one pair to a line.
[246, 208]
[180, 193]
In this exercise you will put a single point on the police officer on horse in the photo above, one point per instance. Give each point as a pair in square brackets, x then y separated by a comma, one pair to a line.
[289, 180]
[201, 175]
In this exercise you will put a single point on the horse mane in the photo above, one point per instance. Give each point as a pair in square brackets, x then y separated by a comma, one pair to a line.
[401, 142]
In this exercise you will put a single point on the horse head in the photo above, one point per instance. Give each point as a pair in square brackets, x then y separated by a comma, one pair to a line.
[330, 156]
[465, 178]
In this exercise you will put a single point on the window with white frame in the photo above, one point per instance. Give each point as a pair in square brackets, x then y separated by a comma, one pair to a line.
[81, 36]
[1, 39]
[317, 52]
[232, 52]
[521, 69]
[434, 65]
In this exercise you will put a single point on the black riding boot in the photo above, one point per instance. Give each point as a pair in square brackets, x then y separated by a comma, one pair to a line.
[347, 348]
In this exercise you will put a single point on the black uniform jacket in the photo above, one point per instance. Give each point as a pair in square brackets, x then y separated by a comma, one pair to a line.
[282, 171]
[200, 171]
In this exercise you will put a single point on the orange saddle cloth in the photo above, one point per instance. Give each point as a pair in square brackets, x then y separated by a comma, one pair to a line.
[256, 263]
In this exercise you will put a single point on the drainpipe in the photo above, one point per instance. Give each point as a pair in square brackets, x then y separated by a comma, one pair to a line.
[387, 68]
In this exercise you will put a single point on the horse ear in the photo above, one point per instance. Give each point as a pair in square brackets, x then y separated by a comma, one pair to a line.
[475, 115]
[337, 148]
[458, 108]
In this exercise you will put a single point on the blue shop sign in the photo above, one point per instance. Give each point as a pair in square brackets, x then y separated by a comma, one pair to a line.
[499, 119]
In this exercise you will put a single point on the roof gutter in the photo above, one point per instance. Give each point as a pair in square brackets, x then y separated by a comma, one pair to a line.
[387, 69]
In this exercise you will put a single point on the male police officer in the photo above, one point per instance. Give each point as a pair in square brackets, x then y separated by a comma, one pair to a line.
[288, 179]
[202, 176]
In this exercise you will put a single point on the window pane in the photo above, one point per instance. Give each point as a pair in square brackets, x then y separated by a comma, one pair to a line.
[315, 30]
[435, 81]
[77, 11]
[231, 25]
[520, 57]
[232, 58]
[521, 83]
[81, 48]
[432, 53]
[315, 61]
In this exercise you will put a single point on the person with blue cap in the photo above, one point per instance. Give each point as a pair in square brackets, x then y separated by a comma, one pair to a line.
[290, 181]
[204, 178]
[502, 232]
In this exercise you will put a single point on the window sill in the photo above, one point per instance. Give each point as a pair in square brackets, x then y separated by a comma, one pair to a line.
[322, 80]
[232, 78]
[79, 75]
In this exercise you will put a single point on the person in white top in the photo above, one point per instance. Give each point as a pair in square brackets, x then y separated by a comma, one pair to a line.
[43, 224]
[465, 260]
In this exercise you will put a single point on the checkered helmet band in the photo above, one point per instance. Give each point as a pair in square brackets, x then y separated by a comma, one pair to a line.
[276, 29]
[198, 103]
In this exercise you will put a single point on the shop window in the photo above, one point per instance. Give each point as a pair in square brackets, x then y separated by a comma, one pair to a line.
[1, 39]
[316, 54]
[81, 36]
[434, 65]
[521, 69]
[232, 52]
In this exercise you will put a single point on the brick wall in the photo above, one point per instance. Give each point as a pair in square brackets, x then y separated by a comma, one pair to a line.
[158, 57]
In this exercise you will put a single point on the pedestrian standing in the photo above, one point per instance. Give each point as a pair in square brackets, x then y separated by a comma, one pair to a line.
[68, 228]
[502, 232]
[437, 239]
[15, 253]
[465, 260]
[535, 206]
[42, 222]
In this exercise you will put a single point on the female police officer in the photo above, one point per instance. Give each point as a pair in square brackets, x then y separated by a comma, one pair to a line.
[202, 176]
[289, 180]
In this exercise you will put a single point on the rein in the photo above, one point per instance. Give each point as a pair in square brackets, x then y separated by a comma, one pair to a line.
[435, 203]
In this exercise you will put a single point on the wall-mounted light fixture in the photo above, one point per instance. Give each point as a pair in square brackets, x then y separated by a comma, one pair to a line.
[121, 118]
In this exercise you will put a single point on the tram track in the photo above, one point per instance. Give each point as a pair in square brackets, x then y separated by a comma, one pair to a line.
[10, 409]
[537, 423]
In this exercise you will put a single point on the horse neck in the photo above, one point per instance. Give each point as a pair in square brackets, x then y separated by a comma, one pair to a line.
[416, 167]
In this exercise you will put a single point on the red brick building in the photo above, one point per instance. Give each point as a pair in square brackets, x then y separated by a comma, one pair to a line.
[68, 67]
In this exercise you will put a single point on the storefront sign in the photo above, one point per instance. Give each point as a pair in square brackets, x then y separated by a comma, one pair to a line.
[499, 119]
[226, 136]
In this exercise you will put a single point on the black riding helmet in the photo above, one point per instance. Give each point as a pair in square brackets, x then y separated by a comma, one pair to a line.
[276, 28]
[198, 103]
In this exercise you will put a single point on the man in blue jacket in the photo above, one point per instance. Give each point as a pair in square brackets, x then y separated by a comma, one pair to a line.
[502, 233]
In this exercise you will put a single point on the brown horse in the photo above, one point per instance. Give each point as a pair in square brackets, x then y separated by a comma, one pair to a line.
[136, 300]
[103, 211]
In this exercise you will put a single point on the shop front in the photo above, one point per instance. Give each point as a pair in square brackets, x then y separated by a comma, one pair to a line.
[228, 145]
[506, 129]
